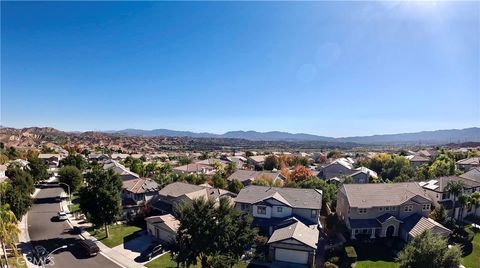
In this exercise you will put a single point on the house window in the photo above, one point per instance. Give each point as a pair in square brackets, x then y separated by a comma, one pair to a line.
[362, 210]
[408, 208]
[381, 208]
[279, 209]
[445, 196]
[426, 207]
[314, 213]
[244, 206]
[261, 210]
[393, 208]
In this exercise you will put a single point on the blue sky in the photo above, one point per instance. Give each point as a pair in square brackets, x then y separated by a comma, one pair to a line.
[329, 68]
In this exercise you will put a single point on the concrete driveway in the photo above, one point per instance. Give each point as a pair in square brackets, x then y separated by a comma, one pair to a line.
[132, 248]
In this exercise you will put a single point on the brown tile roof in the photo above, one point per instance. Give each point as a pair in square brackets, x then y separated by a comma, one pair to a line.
[296, 197]
[297, 231]
[141, 185]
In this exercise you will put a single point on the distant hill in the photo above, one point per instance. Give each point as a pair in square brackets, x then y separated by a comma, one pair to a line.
[424, 137]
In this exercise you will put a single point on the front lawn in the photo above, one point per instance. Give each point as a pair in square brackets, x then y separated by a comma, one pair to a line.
[75, 206]
[165, 261]
[375, 264]
[472, 259]
[119, 234]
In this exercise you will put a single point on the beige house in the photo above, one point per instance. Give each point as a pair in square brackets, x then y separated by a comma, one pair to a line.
[468, 163]
[246, 177]
[163, 227]
[295, 243]
[382, 210]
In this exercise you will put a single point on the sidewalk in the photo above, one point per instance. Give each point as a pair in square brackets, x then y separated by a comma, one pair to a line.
[24, 246]
[110, 253]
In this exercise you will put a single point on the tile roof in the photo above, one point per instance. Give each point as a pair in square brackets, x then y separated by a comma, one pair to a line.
[245, 175]
[177, 189]
[381, 194]
[169, 220]
[296, 197]
[439, 184]
[469, 161]
[473, 174]
[141, 185]
[416, 224]
[297, 231]
[195, 167]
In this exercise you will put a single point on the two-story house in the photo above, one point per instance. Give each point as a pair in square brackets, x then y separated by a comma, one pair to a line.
[137, 193]
[51, 160]
[270, 206]
[338, 168]
[468, 163]
[289, 216]
[386, 210]
[437, 190]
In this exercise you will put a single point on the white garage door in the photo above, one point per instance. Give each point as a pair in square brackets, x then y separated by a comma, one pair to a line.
[291, 256]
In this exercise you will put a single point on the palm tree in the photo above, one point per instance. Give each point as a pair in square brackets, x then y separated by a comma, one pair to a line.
[455, 188]
[9, 230]
[465, 201]
[476, 201]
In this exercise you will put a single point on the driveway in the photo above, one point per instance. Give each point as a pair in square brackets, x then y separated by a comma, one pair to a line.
[132, 248]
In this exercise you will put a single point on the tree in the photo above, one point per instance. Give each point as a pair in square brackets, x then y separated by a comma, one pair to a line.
[9, 230]
[429, 251]
[183, 160]
[465, 201]
[476, 201]
[249, 153]
[219, 182]
[440, 215]
[301, 173]
[455, 188]
[76, 160]
[235, 186]
[18, 191]
[3, 159]
[72, 176]
[443, 165]
[334, 154]
[38, 169]
[100, 199]
[230, 168]
[197, 237]
[271, 162]
[151, 168]
[262, 182]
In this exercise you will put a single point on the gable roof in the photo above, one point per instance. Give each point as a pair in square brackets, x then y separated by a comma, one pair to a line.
[141, 185]
[297, 231]
[473, 174]
[469, 161]
[439, 184]
[245, 175]
[418, 158]
[381, 194]
[342, 161]
[177, 189]
[417, 224]
[121, 170]
[295, 197]
[365, 170]
[168, 219]
[195, 167]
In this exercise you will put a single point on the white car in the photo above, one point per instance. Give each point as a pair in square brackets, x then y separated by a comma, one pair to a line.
[62, 215]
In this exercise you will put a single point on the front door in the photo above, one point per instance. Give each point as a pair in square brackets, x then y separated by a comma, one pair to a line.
[390, 230]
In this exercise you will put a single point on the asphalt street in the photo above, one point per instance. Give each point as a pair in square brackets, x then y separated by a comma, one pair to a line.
[46, 231]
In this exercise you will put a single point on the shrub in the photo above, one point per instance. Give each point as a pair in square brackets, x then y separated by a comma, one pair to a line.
[351, 254]
[334, 259]
[330, 265]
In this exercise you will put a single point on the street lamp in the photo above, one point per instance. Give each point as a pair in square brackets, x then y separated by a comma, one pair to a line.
[48, 255]
[68, 188]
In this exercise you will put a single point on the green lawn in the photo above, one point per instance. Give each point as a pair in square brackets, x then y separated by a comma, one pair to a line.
[118, 234]
[473, 259]
[166, 261]
[75, 207]
[375, 264]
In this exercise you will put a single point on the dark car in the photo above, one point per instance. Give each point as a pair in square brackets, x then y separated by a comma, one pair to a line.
[89, 247]
[77, 230]
[152, 251]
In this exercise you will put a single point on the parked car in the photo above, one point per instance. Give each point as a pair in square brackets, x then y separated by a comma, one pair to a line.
[89, 247]
[77, 230]
[62, 215]
[152, 251]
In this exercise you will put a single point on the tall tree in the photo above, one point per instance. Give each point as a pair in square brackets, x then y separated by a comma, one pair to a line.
[235, 186]
[38, 169]
[9, 230]
[201, 222]
[465, 201]
[476, 201]
[455, 188]
[230, 168]
[100, 199]
[18, 191]
[301, 173]
[271, 162]
[76, 160]
[429, 251]
[72, 176]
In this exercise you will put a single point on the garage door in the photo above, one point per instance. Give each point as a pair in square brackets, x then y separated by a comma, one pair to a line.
[291, 256]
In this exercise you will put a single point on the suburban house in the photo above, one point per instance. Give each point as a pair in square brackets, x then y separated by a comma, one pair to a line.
[339, 167]
[417, 160]
[240, 161]
[118, 156]
[473, 174]
[51, 160]
[362, 175]
[436, 189]
[468, 163]
[194, 168]
[257, 160]
[137, 193]
[246, 177]
[163, 227]
[122, 171]
[212, 162]
[175, 193]
[385, 210]
[272, 206]
[98, 157]
[295, 243]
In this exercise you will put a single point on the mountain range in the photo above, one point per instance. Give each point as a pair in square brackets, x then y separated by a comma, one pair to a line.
[424, 137]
